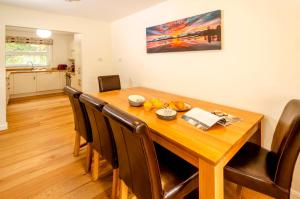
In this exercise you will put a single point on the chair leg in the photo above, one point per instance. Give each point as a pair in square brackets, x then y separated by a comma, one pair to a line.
[88, 157]
[77, 144]
[239, 192]
[123, 191]
[116, 184]
[95, 166]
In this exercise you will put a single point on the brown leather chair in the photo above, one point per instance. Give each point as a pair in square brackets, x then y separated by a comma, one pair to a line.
[270, 172]
[82, 124]
[103, 142]
[109, 83]
[147, 175]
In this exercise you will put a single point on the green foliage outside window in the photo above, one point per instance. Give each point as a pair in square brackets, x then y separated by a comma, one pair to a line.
[18, 54]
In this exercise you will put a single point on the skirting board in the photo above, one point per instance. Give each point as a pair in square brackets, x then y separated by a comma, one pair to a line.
[3, 126]
[295, 194]
[36, 93]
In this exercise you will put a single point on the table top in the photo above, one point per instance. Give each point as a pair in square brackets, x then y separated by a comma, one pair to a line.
[211, 145]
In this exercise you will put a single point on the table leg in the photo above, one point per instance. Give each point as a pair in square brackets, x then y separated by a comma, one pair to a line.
[257, 137]
[211, 180]
[261, 134]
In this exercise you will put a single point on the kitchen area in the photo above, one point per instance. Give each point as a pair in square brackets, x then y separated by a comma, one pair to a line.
[40, 62]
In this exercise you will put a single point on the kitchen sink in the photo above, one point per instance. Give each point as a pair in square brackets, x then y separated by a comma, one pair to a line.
[38, 69]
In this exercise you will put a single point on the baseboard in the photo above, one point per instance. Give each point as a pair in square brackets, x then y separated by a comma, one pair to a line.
[35, 93]
[295, 194]
[3, 126]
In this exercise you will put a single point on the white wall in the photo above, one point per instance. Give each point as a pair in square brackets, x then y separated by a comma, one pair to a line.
[257, 69]
[95, 43]
[61, 48]
[3, 124]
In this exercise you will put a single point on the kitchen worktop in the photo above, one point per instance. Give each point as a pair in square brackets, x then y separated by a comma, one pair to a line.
[23, 70]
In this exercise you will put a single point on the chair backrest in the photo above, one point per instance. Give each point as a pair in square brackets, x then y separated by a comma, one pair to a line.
[103, 140]
[109, 83]
[82, 124]
[286, 143]
[138, 165]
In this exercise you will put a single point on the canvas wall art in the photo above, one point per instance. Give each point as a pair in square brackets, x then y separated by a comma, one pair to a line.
[200, 32]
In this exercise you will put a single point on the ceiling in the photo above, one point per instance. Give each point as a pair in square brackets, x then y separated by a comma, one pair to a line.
[107, 10]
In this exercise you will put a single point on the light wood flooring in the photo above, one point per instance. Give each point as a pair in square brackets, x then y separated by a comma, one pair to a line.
[36, 155]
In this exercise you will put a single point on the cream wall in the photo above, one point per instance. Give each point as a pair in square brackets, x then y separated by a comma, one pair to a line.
[61, 48]
[257, 69]
[96, 46]
[3, 124]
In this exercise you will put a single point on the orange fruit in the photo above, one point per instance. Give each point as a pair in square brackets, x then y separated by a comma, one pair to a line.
[148, 105]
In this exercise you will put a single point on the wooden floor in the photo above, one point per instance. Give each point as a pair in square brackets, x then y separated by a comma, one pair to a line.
[36, 155]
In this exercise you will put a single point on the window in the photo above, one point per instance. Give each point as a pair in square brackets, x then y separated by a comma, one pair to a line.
[26, 54]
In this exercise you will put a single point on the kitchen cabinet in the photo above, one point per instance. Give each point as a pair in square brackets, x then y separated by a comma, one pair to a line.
[63, 79]
[8, 88]
[11, 83]
[48, 81]
[24, 83]
[75, 82]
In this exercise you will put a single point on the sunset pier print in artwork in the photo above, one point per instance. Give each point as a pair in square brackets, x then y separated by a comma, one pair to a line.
[200, 32]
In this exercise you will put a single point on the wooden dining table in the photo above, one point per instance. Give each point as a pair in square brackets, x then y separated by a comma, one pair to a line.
[208, 150]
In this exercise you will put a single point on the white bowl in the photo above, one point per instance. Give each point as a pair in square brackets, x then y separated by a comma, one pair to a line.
[136, 100]
[166, 114]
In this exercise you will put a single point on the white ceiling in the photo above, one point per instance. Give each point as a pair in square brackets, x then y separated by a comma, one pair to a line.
[107, 10]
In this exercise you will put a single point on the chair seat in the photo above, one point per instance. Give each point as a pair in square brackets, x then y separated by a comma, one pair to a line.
[176, 173]
[253, 167]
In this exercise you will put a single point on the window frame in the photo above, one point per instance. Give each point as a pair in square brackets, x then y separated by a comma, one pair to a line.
[28, 53]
